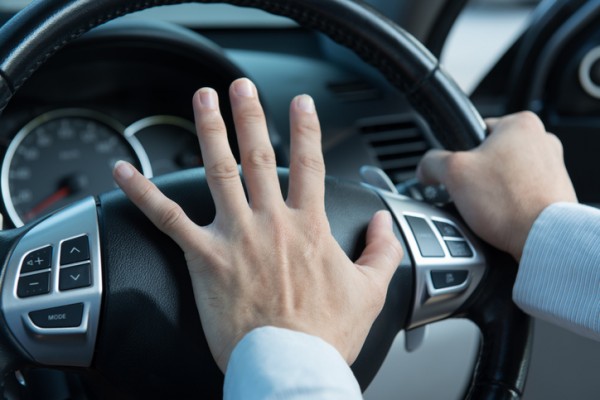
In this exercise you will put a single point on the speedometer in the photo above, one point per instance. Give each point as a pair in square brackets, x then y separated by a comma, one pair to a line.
[63, 156]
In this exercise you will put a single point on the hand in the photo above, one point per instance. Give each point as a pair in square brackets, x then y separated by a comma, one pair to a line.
[502, 186]
[266, 261]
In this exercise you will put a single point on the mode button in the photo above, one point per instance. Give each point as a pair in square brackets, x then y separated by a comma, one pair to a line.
[58, 317]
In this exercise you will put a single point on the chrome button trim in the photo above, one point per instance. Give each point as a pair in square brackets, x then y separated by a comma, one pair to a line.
[431, 303]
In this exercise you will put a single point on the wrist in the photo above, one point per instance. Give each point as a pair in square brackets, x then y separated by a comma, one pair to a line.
[520, 228]
[525, 226]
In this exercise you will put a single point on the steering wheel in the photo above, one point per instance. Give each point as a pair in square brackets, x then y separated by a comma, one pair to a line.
[134, 325]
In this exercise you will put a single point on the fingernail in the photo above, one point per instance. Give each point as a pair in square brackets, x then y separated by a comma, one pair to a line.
[243, 87]
[208, 98]
[123, 170]
[306, 103]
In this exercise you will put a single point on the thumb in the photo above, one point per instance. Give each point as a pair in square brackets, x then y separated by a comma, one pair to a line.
[433, 166]
[383, 252]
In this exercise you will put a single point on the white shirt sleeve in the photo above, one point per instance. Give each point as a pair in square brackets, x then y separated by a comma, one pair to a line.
[277, 363]
[559, 274]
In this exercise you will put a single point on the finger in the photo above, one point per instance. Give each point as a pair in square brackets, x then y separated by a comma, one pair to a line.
[432, 169]
[307, 169]
[491, 123]
[164, 213]
[256, 151]
[221, 168]
[383, 252]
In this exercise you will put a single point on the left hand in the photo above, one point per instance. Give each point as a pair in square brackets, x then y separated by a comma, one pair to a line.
[265, 261]
[503, 185]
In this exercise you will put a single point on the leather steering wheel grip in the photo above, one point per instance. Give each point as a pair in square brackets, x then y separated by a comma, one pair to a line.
[44, 27]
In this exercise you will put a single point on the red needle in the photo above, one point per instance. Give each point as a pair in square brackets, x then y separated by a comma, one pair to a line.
[47, 202]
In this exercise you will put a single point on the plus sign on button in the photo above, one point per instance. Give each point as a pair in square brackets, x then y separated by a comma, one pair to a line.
[37, 260]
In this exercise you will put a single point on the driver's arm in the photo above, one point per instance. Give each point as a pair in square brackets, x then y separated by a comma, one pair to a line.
[266, 261]
[514, 192]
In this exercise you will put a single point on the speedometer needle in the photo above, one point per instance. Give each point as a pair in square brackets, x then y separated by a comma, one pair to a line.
[69, 186]
[48, 202]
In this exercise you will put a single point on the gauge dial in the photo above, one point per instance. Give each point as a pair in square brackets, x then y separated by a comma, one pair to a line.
[169, 141]
[63, 156]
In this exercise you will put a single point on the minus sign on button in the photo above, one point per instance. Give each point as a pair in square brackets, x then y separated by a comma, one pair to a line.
[34, 283]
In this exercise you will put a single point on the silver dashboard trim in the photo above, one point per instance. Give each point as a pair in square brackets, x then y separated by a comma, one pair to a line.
[154, 120]
[585, 70]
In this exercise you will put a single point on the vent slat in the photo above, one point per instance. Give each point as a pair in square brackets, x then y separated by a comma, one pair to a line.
[404, 134]
[401, 149]
[401, 175]
[409, 162]
[394, 126]
[398, 147]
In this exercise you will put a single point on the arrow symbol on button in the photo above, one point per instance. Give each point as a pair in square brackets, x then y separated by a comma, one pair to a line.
[75, 277]
[74, 250]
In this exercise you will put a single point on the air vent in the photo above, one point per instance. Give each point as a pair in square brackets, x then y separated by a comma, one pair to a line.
[353, 91]
[398, 146]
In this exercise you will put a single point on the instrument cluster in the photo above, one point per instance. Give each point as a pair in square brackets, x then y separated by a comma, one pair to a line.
[67, 154]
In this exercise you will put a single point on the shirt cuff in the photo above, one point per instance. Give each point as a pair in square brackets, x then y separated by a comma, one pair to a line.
[277, 363]
[559, 274]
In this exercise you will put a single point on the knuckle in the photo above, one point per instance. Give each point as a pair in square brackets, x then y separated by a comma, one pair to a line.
[278, 223]
[312, 163]
[251, 116]
[224, 170]
[308, 127]
[170, 217]
[395, 247]
[529, 120]
[211, 127]
[316, 227]
[261, 159]
[392, 255]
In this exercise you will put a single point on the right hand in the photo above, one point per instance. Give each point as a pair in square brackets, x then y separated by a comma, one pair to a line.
[266, 261]
[502, 186]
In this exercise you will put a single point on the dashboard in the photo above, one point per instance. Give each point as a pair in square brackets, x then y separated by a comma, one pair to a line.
[124, 91]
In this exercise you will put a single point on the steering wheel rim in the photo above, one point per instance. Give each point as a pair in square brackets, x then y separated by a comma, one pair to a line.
[35, 34]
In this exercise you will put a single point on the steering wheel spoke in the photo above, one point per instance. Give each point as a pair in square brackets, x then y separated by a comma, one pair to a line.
[52, 289]
[449, 261]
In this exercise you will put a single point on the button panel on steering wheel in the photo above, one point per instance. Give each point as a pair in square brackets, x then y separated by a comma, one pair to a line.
[448, 260]
[53, 287]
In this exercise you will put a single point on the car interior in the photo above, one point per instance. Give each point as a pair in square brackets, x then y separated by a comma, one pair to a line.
[96, 303]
